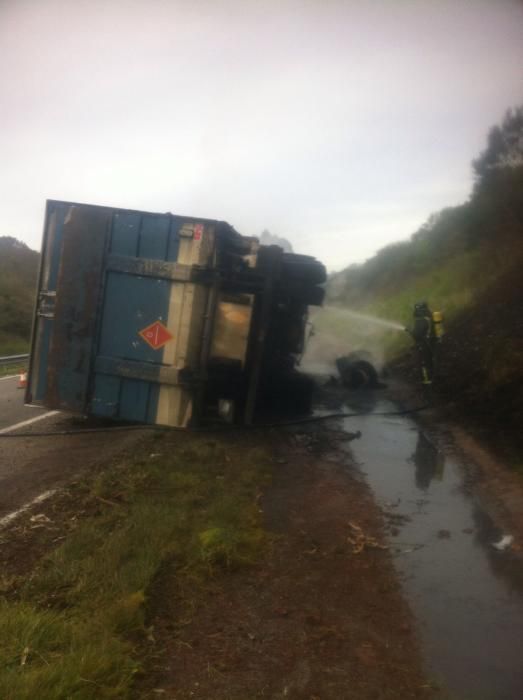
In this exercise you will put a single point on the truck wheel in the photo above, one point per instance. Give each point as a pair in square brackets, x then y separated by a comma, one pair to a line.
[356, 375]
[306, 294]
[304, 268]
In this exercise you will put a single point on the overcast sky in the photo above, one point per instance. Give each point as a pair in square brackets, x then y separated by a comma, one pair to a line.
[340, 125]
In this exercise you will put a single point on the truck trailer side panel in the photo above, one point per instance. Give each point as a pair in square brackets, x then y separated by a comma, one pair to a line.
[146, 317]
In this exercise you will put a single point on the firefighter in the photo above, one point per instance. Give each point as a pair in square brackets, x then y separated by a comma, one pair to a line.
[426, 331]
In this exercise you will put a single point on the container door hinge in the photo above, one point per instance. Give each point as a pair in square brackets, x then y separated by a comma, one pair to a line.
[46, 303]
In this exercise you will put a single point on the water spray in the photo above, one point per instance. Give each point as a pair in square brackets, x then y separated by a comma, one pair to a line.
[366, 318]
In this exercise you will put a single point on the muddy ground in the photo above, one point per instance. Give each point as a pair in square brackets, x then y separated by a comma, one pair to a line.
[321, 614]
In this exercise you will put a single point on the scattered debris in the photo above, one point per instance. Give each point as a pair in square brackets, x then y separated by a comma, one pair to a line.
[413, 548]
[7, 519]
[40, 518]
[106, 501]
[444, 534]
[352, 436]
[504, 543]
[359, 540]
[25, 654]
[397, 518]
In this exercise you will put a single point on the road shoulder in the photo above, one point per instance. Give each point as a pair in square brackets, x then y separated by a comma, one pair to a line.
[321, 615]
[276, 583]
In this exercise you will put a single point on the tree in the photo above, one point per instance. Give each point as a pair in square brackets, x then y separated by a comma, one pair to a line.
[504, 146]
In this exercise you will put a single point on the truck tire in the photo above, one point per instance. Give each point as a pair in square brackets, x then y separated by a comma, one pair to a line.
[302, 292]
[303, 268]
[358, 374]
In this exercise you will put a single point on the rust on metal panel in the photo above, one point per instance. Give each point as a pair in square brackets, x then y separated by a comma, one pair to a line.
[159, 269]
[270, 260]
[78, 288]
[132, 369]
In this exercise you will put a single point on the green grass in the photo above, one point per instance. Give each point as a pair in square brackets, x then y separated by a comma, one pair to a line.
[73, 629]
[449, 287]
[8, 370]
[12, 345]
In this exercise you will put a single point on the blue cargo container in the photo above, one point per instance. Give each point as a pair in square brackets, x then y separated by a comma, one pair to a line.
[163, 319]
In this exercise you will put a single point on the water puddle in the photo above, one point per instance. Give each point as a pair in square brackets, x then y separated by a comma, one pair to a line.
[466, 595]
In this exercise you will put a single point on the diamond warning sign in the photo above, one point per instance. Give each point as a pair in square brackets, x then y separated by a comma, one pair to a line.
[198, 232]
[156, 335]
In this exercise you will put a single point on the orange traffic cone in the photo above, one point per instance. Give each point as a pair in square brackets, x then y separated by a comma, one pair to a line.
[22, 380]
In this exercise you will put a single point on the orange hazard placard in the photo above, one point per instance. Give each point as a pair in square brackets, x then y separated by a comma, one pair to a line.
[198, 232]
[156, 335]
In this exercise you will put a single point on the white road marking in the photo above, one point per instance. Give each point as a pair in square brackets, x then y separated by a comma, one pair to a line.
[39, 499]
[11, 376]
[27, 422]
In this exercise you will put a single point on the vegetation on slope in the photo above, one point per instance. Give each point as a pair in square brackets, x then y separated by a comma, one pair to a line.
[18, 272]
[77, 627]
[465, 261]
[459, 252]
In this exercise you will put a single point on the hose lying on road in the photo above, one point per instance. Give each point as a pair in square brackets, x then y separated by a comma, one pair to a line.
[217, 428]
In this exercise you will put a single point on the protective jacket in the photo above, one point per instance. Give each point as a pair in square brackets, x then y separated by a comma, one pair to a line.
[422, 329]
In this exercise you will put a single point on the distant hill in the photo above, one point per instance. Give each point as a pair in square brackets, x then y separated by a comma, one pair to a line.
[18, 273]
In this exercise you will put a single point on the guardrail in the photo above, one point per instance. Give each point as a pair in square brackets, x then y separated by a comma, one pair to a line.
[13, 360]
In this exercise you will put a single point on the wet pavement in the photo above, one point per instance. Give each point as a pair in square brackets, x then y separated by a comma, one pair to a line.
[466, 595]
[12, 408]
[30, 466]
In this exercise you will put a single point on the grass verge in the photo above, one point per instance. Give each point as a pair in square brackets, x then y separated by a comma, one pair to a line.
[12, 344]
[449, 287]
[12, 370]
[73, 628]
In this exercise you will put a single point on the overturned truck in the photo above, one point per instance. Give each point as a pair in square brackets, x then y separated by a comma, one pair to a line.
[165, 319]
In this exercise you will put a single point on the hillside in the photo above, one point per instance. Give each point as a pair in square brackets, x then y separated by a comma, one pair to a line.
[465, 261]
[18, 272]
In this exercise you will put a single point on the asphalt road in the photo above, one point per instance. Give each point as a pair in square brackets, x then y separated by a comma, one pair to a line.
[32, 465]
[12, 408]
